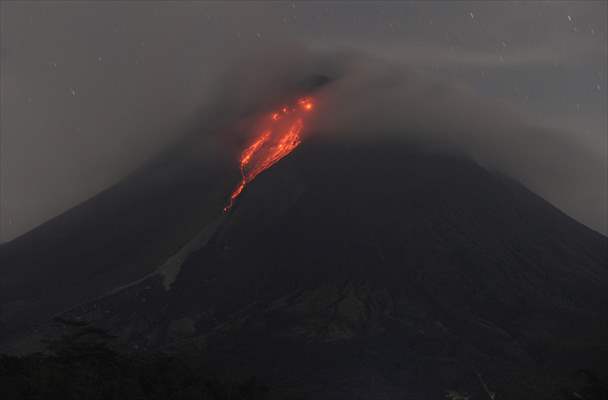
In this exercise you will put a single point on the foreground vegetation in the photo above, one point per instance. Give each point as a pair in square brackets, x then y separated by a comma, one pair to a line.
[81, 365]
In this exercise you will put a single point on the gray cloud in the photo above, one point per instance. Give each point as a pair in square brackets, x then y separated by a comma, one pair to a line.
[90, 91]
[376, 99]
[369, 98]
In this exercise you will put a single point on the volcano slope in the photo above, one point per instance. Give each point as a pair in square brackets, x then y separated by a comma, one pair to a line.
[110, 240]
[381, 271]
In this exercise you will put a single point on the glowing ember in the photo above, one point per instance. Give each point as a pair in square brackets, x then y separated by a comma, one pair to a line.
[276, 141]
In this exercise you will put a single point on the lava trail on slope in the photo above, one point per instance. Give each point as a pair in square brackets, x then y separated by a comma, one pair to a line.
[281, 134]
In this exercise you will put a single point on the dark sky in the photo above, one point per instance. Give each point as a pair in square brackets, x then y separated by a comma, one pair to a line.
[89, 91]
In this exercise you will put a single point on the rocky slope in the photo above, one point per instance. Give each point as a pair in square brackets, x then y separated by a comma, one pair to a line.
[381, 271]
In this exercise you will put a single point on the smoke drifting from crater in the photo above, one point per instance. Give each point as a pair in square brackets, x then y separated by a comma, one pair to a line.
[90, 91]
[367, 98]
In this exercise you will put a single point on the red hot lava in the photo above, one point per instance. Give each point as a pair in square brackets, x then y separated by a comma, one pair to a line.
[280, 136]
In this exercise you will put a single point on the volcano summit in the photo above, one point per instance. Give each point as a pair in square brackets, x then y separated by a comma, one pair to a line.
[380, 271]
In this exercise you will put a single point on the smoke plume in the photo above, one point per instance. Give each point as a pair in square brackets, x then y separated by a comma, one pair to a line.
[367, 98]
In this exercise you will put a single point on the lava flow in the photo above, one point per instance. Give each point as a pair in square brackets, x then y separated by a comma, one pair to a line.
[280, 136]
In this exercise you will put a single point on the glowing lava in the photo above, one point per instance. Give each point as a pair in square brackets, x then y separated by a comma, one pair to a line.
[278, 139]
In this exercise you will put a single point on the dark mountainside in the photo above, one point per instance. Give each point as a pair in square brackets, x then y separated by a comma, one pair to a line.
[380, 271]
[110, 240]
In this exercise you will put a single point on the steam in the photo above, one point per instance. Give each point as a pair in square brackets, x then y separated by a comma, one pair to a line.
[121, 118]
[367, 98]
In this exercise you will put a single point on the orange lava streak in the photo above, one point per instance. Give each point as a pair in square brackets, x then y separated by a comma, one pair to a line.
[285, 145]
[250, 151]
[244, 161]
[271, 145]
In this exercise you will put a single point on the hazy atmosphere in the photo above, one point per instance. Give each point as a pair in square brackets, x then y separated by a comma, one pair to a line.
[90, 91]
[319, 200]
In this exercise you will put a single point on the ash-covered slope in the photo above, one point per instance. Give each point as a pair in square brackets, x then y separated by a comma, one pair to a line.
[381, 271]
[110, 240]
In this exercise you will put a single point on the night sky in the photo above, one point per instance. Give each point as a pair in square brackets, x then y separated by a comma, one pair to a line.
[89, 91]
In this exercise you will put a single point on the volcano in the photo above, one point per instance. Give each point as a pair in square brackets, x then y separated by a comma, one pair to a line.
[359, 270]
